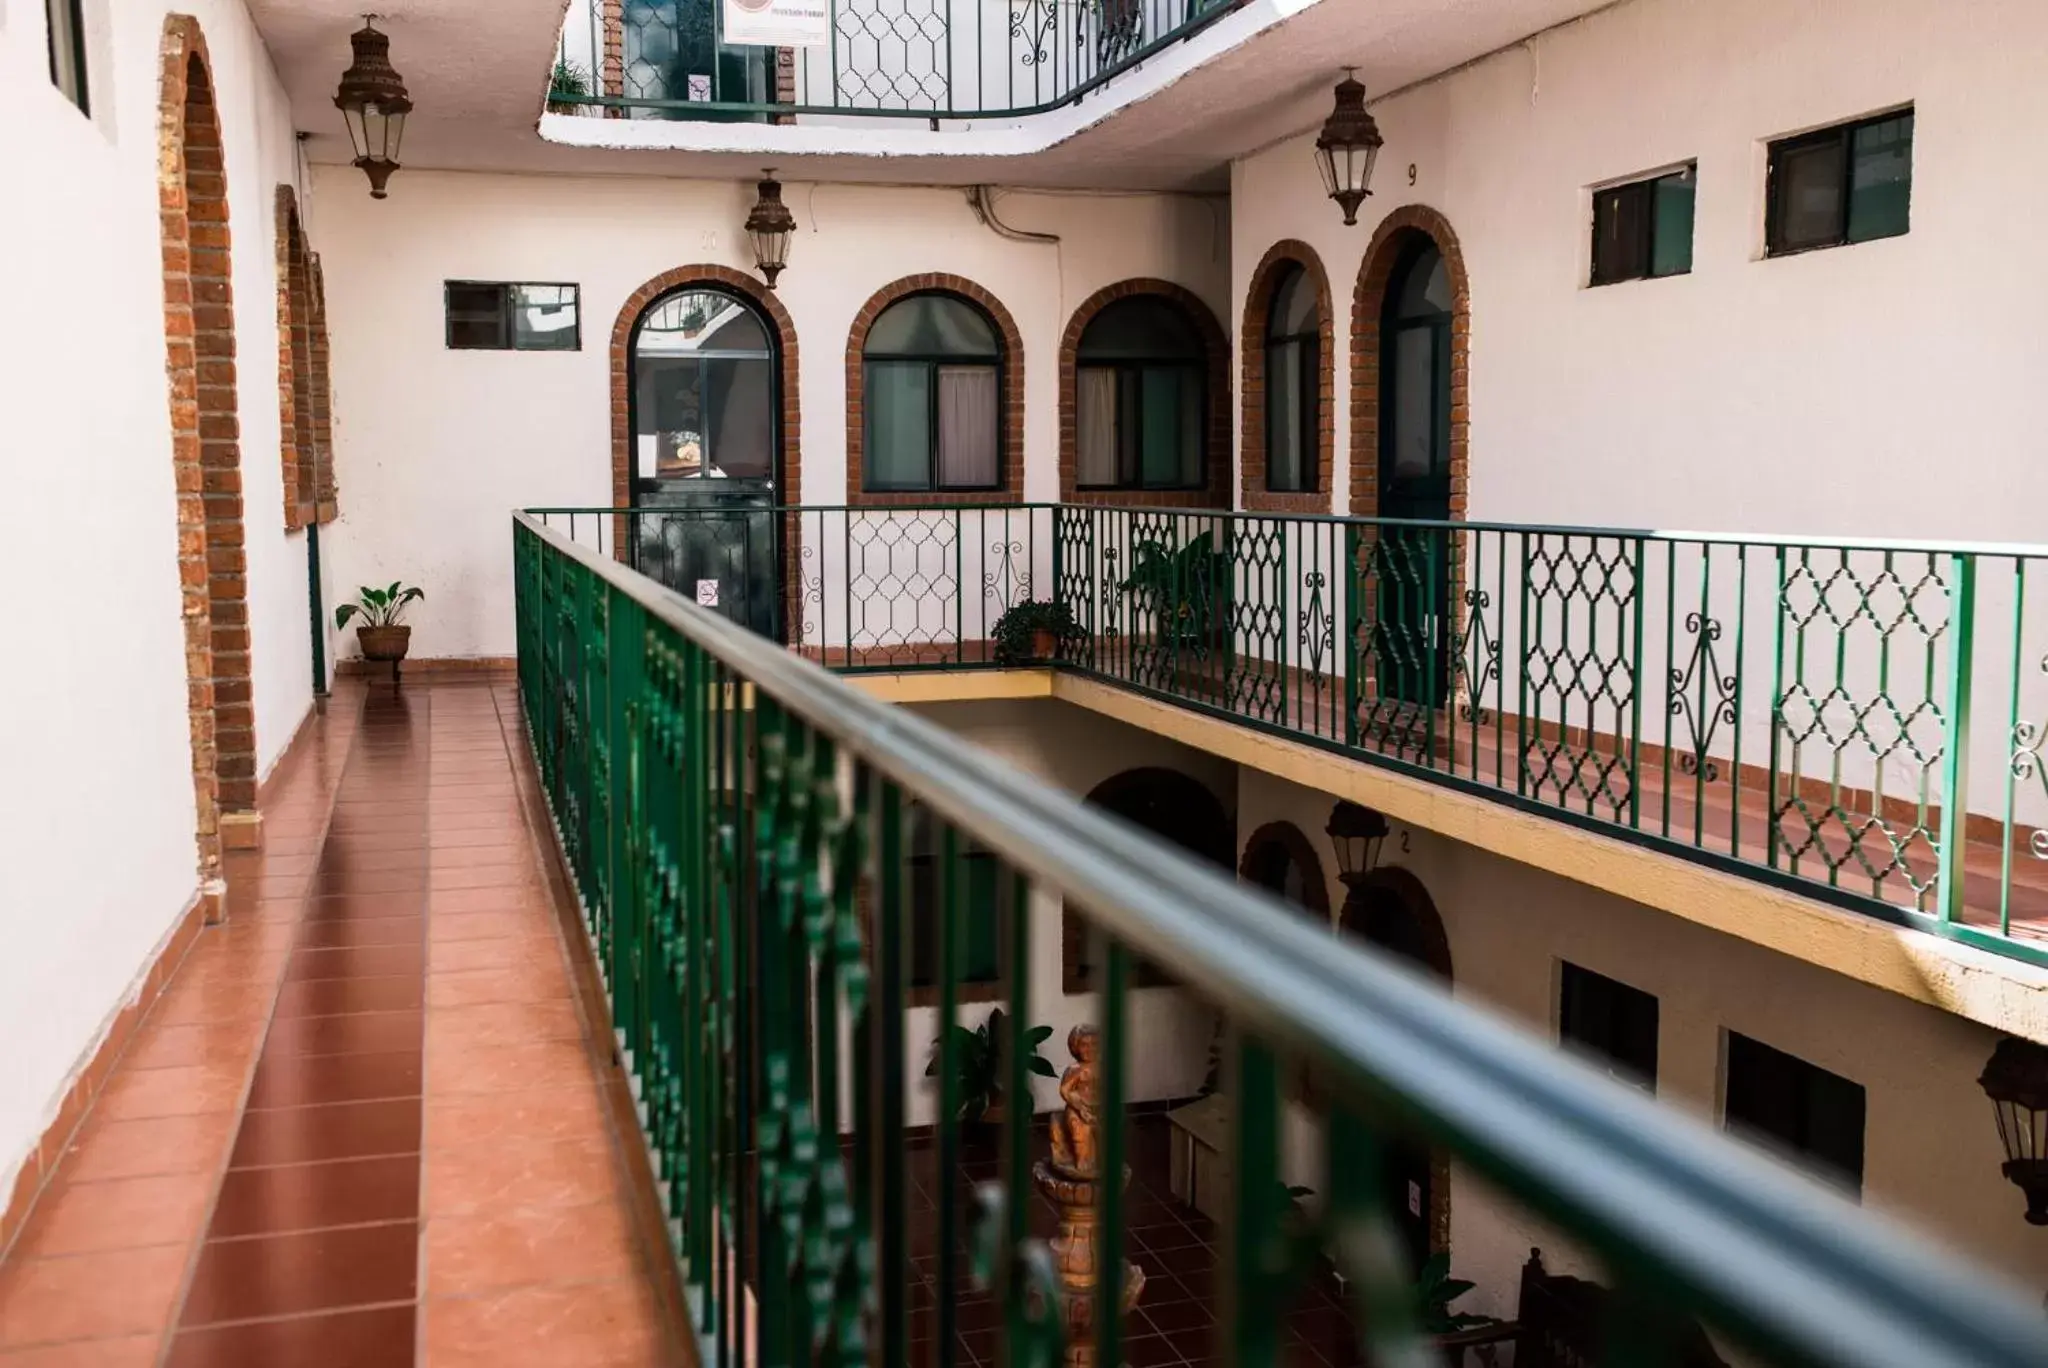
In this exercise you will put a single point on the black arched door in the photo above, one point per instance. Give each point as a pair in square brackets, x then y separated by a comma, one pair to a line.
[1415, 478]
[707, 450]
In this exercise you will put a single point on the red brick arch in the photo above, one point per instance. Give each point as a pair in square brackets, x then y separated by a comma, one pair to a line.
[790, 489]
[1252, 441]
[199, 338]
[297, 455]
[1013, 391]
[1395, 233]
[1216, 493]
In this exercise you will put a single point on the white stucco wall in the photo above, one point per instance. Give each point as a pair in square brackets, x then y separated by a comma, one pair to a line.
[436, 446]
[97, 855]
[1931, 1148]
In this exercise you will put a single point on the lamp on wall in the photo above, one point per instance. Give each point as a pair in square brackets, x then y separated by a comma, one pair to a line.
[769, 224]
[2016, 1081]
[1357, 833]
[373, 103]
[1347, 148]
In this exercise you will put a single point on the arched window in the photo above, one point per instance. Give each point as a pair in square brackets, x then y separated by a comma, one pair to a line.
[1415, 403]
[704, 402]
[932, 414]
[1281, 860]
[1140, 409]
[1293, 383]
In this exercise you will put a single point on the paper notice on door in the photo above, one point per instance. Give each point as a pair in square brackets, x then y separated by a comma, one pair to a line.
[707, 593]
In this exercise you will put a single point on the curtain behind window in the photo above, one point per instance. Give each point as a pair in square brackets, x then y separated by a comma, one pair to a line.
[1095, 426]
[967, 427]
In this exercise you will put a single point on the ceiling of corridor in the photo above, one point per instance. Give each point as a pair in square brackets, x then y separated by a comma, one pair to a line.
[477, 70]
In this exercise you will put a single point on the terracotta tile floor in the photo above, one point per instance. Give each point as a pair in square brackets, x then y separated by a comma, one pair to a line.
[366, 1125]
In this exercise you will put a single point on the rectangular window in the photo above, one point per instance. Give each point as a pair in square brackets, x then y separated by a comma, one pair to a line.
[1849, 183]
[67, 50]
[1611, 1023]
[1644, 229]
[982, 908]
[1797, 1108]
[498, 316]
[1292, 376]
[1138, 426]
[931, 427]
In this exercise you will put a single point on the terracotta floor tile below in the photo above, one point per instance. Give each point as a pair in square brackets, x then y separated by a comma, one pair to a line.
[505, 1023]
[504, 1068]
[381, 1337]
[117, 1213]
[324, 1270]
[469, 1254]
[356, 1033]
[311, 1080]
[590, 1325]
[129, 1351]
[106, 1149]
[126, 1292]
[520, 1172]
[572, 1113]
[265, 1201]
[181, 1091]
[471, 987]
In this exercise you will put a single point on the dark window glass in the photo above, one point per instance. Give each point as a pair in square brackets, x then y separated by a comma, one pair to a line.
[980, 906]
[1612, 1023]
[67, 50]
[1293, 384]
[499, 316]
[1644, 228]
[1845, 184]
[1138, 398]
[1797, 1108]
[932, 409]
[704, 390]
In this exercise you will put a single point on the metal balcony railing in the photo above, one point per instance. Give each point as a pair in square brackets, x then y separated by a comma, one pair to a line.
[1800, 711]
[765, 853]
[927, 60]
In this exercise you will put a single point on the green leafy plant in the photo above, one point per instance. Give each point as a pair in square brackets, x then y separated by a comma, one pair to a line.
[1181, 585]
[570, 81]
[379, 607]
[980, 1069]
[1016, 630]
[1435, 1290]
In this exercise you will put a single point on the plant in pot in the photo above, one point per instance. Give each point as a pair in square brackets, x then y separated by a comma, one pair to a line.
[380, 633]
[1032, 631]
[569, 83]
[1186, 588]
[981, 1071]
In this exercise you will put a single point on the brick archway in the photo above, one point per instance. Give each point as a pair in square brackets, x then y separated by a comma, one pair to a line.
[1258, 301]
[199, 336]
[1394, 235]
[1013, 391]
[1216, 491]
[297, 453]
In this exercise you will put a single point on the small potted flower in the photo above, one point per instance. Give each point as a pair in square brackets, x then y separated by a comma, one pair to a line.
[568, 86]
[380, 633]
[1033, 633]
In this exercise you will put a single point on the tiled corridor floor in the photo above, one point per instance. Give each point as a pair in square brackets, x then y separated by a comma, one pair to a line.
[366, 1125]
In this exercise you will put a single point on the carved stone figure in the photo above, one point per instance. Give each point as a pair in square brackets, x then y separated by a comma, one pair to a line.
[1073, 1130]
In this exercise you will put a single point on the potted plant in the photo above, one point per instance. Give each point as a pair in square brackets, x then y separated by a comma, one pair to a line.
[1033, 631]
[380, 634]
[569, 83]
[1435, 1290]
[1186, 587]
[981, 1071]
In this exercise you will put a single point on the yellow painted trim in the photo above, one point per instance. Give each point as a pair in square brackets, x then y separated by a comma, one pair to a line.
[954, 686]
[2004, 994]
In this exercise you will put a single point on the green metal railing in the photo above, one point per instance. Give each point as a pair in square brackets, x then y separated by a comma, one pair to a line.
[746, 834]
[920, 59]
[1792, 710]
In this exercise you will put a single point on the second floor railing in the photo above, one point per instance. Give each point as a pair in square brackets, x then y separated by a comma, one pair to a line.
[1861, 721]
[916, 59]
[791, 887]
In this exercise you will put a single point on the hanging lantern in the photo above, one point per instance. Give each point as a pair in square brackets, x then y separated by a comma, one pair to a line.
[2016, 1081]
[1357, 833]
[769, 224]
[1347, 148]
[373, 103]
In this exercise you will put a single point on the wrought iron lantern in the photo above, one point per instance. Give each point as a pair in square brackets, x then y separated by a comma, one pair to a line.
[373, 103]
[1357, 833]
[2016, 1081]
[1347, 148]
[770, 224]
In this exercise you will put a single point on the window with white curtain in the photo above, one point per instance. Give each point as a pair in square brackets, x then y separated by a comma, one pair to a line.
[1138, 398]
[933, 368]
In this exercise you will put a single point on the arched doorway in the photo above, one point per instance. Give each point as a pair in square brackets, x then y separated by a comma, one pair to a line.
[1172, 806]
[199, 339]
[705, 414]
[1283, 861]
[1391, 909]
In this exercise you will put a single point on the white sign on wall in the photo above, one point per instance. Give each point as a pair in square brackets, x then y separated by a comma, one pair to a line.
[707, 593]
[778, 23]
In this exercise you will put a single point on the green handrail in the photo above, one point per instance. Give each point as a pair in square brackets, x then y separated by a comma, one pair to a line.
[734, 818]
[1858, 721]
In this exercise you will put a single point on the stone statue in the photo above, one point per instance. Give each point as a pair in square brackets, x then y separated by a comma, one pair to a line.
[1073, 1130]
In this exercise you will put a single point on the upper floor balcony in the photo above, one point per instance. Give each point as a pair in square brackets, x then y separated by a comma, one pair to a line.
[1855, 722]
